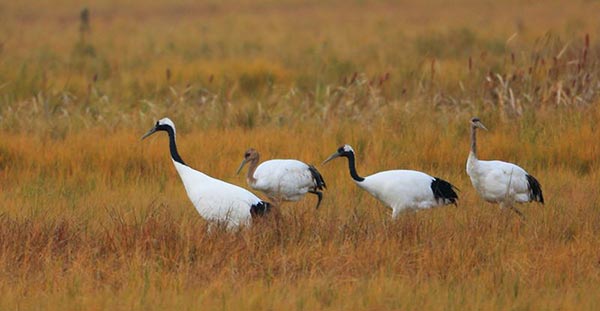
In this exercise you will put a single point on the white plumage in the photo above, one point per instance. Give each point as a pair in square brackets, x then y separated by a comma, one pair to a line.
[401, 189]
[500, 182]
[214, 199]
[282, 179]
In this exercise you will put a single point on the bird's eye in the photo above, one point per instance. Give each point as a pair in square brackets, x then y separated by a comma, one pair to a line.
[157, 123]
[246, 155]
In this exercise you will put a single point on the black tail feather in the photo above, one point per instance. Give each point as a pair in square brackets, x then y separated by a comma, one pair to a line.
[319, 195]
[320, 182]
[444, 190]
[535, 189]
[260, 209]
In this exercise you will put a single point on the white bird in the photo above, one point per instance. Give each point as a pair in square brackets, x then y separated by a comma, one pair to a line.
[498, 181]
[400, 189]
[282, 179]
[214, 199]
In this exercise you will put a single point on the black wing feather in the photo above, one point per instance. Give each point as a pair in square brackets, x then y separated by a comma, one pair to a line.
[260, 209]
[320, 182]
[444, 190]
[535, 189]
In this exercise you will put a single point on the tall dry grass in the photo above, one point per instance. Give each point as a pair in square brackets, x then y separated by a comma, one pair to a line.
[92, 218]
[105, 223]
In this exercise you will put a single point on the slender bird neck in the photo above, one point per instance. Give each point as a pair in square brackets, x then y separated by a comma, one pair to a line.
[474, 140]
[251, 169]
[173, 146]
[352, 167]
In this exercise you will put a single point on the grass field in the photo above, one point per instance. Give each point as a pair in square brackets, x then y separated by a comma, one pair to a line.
[92, 218]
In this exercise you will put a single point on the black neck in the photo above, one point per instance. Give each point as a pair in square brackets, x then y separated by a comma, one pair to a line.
[352, 167]
[173, 146]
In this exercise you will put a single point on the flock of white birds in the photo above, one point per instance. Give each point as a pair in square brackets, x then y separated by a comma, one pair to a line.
[289, 180]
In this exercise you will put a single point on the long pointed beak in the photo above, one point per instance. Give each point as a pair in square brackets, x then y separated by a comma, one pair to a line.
[150, 132]
[241, 166]
[481, 126]
[331, 157]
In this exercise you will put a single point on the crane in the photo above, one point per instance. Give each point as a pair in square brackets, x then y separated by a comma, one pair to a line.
[282, 179]
[400, 189]
[214, 199]
[500, 182]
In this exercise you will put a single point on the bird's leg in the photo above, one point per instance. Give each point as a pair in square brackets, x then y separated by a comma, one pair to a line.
[508, 198]
[505, 206]
[275, 210]
[319, 195]
[276, 201]
[516, 210]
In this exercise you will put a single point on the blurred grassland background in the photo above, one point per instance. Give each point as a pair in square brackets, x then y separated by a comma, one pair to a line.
[91, 218]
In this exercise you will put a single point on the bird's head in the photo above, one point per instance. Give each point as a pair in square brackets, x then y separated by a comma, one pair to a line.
[343, 151]
[249, 156]
[476, 123]
[163, 124]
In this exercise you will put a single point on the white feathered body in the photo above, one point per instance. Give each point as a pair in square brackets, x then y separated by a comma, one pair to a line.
[288, 180]
[498, 181]
[217, 200]
[401, 189]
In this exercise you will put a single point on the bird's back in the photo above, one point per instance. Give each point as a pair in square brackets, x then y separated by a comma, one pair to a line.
[401, 188]
[497, 181]
[215, 199]
[287, 178]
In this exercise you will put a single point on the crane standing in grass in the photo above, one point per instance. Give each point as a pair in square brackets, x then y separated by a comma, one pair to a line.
[400, 189]
[214, 199]
[282, 179]
[500, 182]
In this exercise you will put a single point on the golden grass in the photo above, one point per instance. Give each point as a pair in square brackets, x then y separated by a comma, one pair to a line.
[105, 223]
[92, 218]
